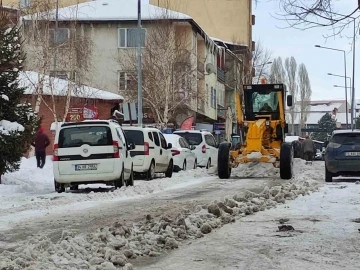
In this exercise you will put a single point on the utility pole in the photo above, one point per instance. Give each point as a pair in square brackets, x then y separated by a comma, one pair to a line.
[139, 73]
[55, 35]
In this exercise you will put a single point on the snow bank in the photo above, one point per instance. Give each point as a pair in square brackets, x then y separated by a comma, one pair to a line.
[32, 188]
[7, 126]
[114, 246]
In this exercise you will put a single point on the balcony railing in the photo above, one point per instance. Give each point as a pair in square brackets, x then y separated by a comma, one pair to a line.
[220, 75]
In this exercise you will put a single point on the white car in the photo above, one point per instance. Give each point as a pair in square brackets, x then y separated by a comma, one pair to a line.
[90, 152]
[152, 154]
[182, 153]
[206, 148]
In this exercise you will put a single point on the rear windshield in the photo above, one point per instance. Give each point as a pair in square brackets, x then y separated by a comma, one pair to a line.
[135, 136]
[346, 138]
[193, 138]
[91, 135]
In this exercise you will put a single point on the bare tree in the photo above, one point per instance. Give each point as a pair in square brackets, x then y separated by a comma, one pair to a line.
[64, 54]
[304, 94]
[261, 57]
[169, 69]
[292, 85]
[315, 13]
[277, 72]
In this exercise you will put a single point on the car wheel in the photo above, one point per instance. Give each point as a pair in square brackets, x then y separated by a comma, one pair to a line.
[328, 175]
[184, 165]
[170, 169]
[151, 172]
[208, 165]
[59, 188]
[130, 181]
[120, 182]
[195, 164]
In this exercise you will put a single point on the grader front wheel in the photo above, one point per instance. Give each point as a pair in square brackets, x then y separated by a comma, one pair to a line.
[224, 170]
[286, 161]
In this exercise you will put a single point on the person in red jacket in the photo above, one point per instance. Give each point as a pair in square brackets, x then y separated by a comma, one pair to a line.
[41, 142]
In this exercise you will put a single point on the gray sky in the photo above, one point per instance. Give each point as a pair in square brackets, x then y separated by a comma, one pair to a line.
[300, 44]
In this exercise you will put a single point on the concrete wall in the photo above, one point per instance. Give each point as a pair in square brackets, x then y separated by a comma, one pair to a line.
[228, 20]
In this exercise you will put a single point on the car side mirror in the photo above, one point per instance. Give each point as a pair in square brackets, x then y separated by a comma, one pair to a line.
[192, 147]
[326, 143]
[131, 146]
[289, 100]
[169, 146]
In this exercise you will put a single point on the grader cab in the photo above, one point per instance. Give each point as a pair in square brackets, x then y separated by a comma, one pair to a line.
[261, 115]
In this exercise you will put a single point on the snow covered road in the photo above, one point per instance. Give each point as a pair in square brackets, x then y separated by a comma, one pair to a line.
[326, 236]
[34, 216]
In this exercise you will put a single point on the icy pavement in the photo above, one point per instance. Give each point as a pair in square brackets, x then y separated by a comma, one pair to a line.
[117, 244]
[325, 236]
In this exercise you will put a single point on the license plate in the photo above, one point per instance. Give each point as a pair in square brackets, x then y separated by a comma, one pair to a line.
[86, 167]
[352, 154]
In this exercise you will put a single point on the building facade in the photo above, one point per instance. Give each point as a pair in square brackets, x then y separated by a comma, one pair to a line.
[109, 61]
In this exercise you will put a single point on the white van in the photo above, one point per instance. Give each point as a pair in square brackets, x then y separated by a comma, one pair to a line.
[89, 152]
[152, 154]
[206, 148]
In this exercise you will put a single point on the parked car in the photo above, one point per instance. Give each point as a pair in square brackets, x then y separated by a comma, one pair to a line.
[318, 155]
[182, 153]
[90, 152]
[342, 154]
[206, 148]
[152, 154]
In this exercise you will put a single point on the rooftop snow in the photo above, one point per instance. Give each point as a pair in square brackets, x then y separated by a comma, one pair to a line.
[111, 10]
[314, 117]
[228, 42]
[30, 80]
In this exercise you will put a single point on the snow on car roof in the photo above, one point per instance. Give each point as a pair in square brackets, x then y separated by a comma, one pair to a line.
[343, 131]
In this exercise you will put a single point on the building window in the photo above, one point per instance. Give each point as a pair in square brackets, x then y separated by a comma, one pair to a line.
[25, 4]
[213, 97]
[127, 80]
[62, 35]
[128, 37]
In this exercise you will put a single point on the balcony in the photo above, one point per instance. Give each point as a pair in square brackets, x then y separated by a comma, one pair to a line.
[220, 75]
[230, 81]
[221, 112]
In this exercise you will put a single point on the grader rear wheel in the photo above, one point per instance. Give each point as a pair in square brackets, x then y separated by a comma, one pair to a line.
[224, 170]
[286, 161]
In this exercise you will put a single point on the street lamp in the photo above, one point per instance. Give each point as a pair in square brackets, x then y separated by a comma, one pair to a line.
[262, 66]
[333, 49]
[346, 99]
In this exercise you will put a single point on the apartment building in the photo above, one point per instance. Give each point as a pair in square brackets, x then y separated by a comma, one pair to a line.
[109, 61]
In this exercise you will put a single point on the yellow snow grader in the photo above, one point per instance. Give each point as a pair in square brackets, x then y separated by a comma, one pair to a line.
[261, 116]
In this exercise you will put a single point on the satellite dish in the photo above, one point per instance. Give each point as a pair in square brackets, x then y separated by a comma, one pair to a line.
[210, 69]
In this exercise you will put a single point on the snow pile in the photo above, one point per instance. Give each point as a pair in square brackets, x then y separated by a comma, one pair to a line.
[6, 127]
[5, 97]
[114, 246]
[29, 179]
[32, 188]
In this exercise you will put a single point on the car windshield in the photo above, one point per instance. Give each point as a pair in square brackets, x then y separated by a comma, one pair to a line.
[135, 136]
[91, 135]
[263, 102]
[346, 138]
[192, 138]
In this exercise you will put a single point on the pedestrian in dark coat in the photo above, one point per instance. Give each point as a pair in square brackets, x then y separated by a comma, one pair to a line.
[41, 142]
[308, 148]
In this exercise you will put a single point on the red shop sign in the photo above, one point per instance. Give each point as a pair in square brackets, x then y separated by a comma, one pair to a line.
[77, 113]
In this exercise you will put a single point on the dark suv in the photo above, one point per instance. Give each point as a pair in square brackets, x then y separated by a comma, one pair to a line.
[342, 155]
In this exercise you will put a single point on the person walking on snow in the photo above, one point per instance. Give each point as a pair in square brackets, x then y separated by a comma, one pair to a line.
[308, 148]
[41, 142]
